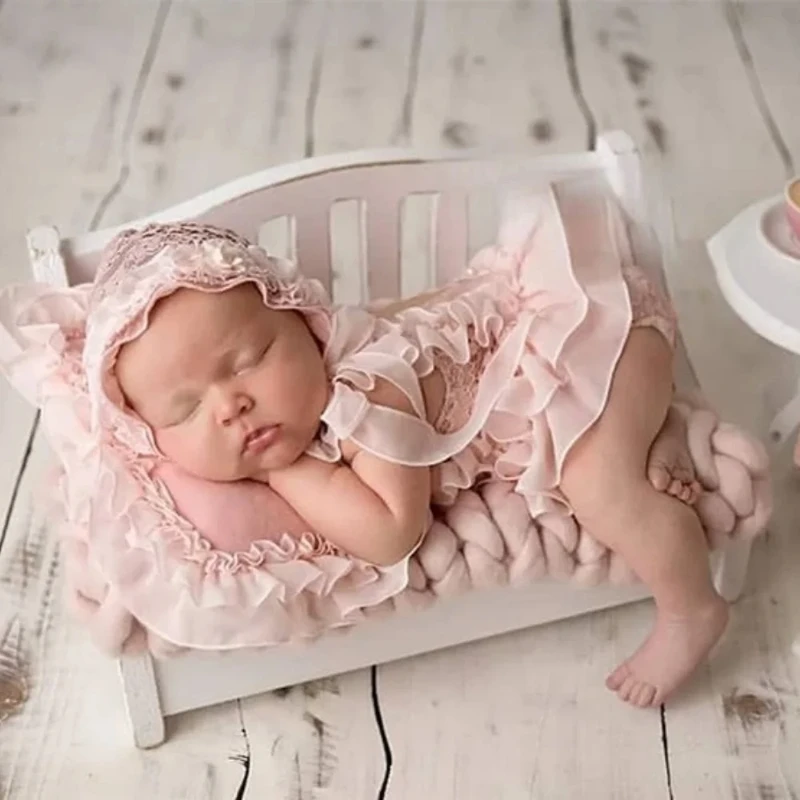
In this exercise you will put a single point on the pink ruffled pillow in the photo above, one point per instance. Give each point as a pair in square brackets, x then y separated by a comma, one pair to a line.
[153, 556]
[230, 516]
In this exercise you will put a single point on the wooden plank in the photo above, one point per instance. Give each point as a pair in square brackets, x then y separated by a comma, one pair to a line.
[493, 75]
[731, 732]
[367, 66]
[524, 715]
[736, 731]
[226, 97]
[318, 740]
[766, 35]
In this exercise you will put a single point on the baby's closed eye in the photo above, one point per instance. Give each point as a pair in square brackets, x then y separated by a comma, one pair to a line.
[249, 359]
[183, 411]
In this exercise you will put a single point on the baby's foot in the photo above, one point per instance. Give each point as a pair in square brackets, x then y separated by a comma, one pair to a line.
[669, 465]
[669, 655]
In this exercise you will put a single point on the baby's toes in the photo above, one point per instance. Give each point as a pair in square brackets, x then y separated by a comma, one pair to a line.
[629, 685]
[659, 477]
[685, 472]
[686, 494]
[676, 488]
[690, 492]
[643, 695]
[618, 676]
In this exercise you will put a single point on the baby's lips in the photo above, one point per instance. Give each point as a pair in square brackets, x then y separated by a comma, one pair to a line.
[258, 440]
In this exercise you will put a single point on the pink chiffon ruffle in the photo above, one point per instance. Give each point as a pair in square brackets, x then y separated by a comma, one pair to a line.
[551, 301]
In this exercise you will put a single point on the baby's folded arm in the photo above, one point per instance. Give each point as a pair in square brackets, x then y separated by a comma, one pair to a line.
[374, 509]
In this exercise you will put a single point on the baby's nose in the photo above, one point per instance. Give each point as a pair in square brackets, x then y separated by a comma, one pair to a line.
[232, 405]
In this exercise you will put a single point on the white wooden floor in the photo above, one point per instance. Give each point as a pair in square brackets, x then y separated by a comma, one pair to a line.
[113, 108]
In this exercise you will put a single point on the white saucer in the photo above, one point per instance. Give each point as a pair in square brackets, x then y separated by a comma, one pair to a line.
[757, 265]
[775, 229]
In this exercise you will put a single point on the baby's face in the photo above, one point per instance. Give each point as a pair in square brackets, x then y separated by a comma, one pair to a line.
[230, 387]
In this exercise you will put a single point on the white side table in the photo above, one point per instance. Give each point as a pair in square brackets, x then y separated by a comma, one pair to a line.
[757, 264]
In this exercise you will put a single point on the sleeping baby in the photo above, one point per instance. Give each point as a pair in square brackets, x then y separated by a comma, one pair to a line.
[547, 365]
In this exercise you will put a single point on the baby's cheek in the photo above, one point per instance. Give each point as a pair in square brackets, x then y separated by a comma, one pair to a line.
[197, 453]
[178, 448]
[304, 383]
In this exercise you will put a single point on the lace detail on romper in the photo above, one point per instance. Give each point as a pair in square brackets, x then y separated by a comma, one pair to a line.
[649, 306]
[460, 386]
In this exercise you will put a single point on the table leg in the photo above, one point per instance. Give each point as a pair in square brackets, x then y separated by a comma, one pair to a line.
[787, 420]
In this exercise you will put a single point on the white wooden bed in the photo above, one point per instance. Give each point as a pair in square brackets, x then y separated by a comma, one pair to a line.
[303, 195]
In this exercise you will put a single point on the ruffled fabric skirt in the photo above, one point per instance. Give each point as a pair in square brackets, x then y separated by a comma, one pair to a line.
[527, 441]
[539, 321]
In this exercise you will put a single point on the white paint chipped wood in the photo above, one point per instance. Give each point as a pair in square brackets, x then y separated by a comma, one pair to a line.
[494, 75]
[109, 111]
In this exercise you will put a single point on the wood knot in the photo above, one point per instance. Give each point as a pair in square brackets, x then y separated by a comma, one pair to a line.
[13, 694]
[750, 709]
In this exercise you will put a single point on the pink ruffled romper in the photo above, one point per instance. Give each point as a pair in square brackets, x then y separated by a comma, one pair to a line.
[527, 343]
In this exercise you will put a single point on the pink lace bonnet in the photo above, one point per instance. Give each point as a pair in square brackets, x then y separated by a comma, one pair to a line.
[140, 267]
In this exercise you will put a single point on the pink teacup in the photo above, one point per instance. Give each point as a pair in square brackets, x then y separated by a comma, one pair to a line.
[792, 197]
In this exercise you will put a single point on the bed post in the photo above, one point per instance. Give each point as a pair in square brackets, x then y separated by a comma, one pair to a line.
[141, 699]
[731, 572]
[44, 252]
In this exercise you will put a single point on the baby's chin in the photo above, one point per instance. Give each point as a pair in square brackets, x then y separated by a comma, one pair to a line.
[282, 456]
[211, 475]
[215, 469]
[254, 470]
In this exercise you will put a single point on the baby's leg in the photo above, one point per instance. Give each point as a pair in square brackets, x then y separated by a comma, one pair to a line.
[658, 536]
[669, 465]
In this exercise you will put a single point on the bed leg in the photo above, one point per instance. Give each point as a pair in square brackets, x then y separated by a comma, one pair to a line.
[731, 571]
[141, 699]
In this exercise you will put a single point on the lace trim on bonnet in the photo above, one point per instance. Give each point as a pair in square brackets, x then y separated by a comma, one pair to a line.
[133, 248]
[164, 572]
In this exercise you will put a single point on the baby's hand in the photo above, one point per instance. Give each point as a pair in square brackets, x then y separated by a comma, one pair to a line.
[374, 509]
